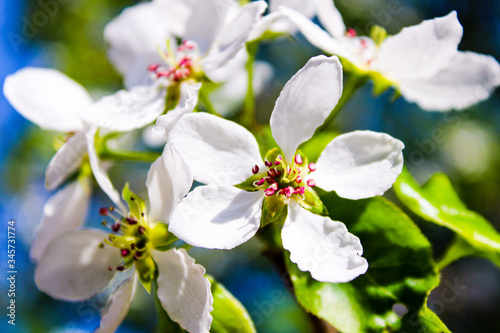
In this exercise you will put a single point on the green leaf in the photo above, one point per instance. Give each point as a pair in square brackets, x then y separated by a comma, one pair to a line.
[401, 269]
[136, 205]
[229, 315]
[460, 248]
[423, 321]
[436, 201]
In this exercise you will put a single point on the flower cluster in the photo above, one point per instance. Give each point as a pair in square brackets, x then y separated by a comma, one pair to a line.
[168, 52]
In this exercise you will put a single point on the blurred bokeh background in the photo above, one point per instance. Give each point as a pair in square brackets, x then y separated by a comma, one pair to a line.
[68, 36]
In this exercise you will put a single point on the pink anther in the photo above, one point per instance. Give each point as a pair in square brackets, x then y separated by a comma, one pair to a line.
[255, 169]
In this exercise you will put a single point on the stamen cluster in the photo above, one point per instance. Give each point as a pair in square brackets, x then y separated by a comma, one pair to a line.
[179, 65]
[129, 235]
[285, 180]
[362, 46]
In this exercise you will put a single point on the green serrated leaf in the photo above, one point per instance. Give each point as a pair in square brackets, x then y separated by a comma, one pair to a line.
[312, 202]
[401, 269]
[136, 205]
[229, 315]
[436, 201]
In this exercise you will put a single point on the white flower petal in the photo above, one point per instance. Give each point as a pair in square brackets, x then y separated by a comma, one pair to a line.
[100, 173]
[74, 267]
[330, 17]
[183, 290]
[66, 160]
[469, 78]
[65, 210]
[321, 246]
[305, 102]
[422, 50]
[140, 29]
[47, 98]
[116, 309]
[275, 20]
[235, 34]
[229, 96]
[169, 179]
[127, 110]
[218, 151]
[138, 73]
[153, 139]
[187, 102]
[206, 21]
[314, 34]
[227, 71]
[360, 164]
[306, 8]
[217, 217]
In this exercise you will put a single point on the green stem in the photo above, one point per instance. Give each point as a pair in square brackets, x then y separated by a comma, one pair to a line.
[247, 117]
[206, 102]
[135, 156]
[353, 84]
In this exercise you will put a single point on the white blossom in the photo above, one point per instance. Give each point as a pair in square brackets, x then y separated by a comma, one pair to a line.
[221, 154]
[422, 62]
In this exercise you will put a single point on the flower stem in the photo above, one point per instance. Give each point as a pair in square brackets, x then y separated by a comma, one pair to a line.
[206, 102]
[135, 156]
[247, 117]
[353, 84]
